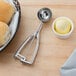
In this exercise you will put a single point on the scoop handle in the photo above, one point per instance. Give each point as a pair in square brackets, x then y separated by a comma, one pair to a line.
[21, 57]
[30, 38]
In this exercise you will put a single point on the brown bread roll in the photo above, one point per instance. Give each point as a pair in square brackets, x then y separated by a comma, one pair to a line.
[6, 11]
[4, 33]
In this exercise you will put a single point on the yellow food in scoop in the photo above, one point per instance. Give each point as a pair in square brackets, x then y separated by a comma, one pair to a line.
[62, 26]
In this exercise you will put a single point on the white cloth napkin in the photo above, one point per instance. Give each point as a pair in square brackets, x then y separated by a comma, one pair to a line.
[69, 68]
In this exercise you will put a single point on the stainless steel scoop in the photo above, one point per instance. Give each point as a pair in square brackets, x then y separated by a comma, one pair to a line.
[44, 15]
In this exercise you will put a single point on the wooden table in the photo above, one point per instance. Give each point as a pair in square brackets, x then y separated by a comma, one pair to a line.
[53, 52]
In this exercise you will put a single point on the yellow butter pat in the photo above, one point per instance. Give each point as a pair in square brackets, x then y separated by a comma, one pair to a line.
[62, 26]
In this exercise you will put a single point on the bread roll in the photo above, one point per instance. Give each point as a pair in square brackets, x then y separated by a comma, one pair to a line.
[4, 33]
[6, 11]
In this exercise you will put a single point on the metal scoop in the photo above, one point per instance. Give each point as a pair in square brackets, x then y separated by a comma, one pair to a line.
[44, 15]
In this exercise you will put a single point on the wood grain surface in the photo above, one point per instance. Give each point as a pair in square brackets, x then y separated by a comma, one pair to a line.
[53, 52]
